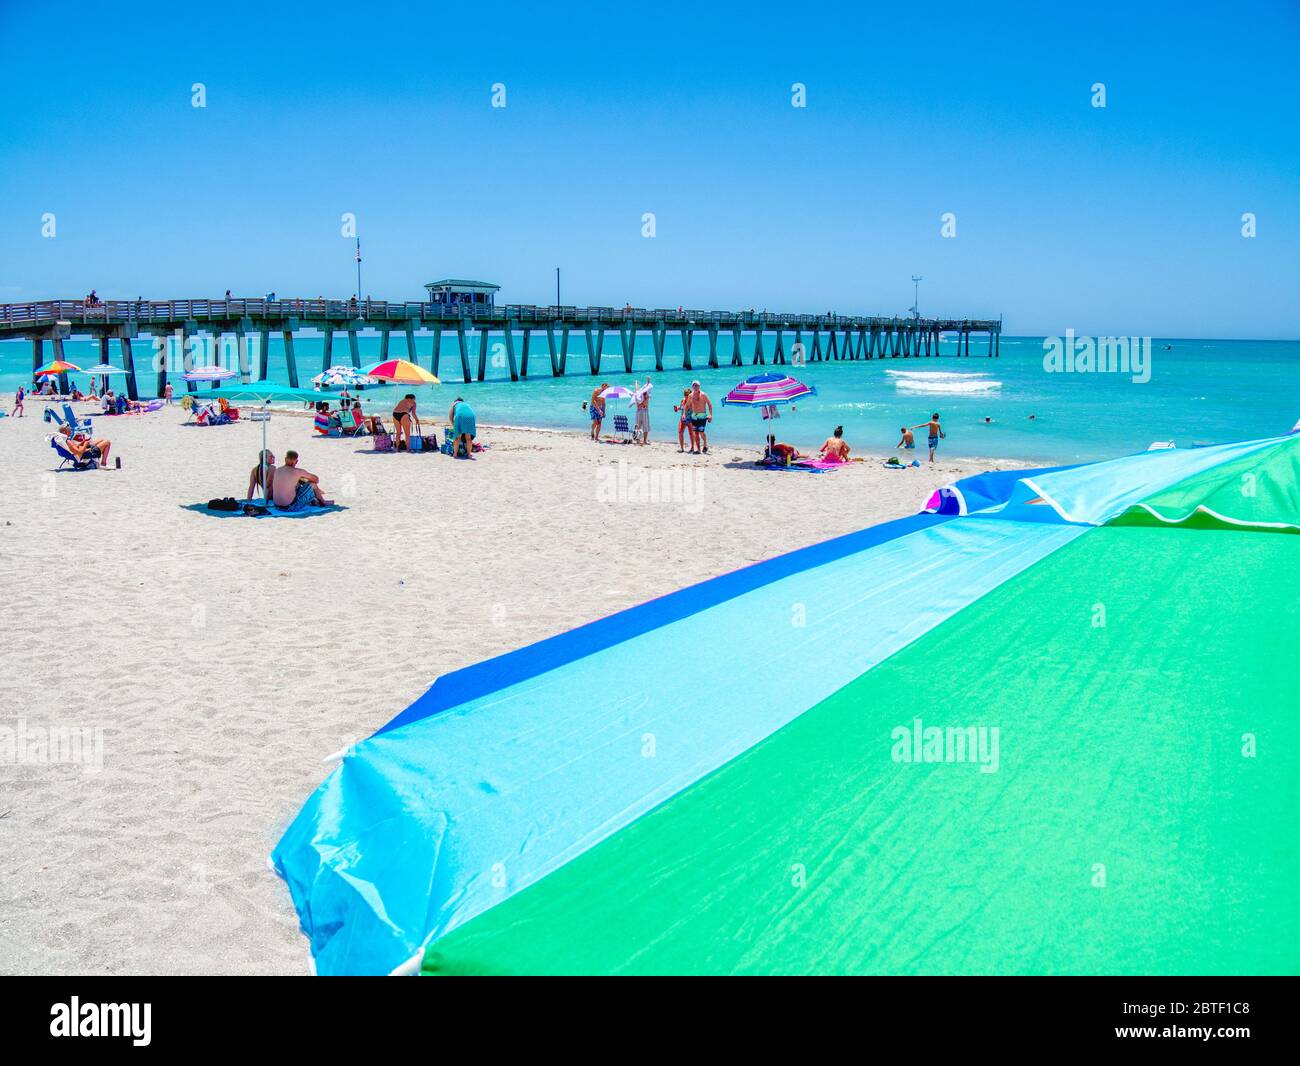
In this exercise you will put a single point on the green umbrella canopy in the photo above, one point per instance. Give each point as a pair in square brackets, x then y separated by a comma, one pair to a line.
[262, 392]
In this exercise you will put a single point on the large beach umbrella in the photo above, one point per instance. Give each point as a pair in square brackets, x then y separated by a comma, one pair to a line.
[768, 391]
[341, 375]
[402, 372]
[263, 393]
[682, 863]
[616, 392]
[102, 370]
[58, 366]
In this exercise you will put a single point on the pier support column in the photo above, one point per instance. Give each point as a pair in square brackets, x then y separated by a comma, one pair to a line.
[289, 360]
[778, 355]
[997, 344]
[713, 347]
[990, 355]
[848, 344]
[263, 353]
[595, 348]
[737, 334]
[815, 356]
[354, 348]
[241, 348]
[758, 347]
[687, 334]
[832, 352]
[38, 353]
[555, 355]
[523, 353]
[798, 343]
[483, 337]
[510, 351]
[437, 350]
[128, 364]
[327, 349]
[410, 345]
[629, 347]
[464, 352]
[628, 338]
[967, 344]
[658, 333]
[383, 344]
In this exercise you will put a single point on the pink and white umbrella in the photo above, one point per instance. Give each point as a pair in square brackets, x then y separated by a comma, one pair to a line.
[767, 390]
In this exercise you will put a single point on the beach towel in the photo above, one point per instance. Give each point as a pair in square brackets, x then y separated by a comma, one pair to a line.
[822, 464]
[261, 510]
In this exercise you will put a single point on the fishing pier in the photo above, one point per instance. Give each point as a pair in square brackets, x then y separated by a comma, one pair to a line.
[521, 329]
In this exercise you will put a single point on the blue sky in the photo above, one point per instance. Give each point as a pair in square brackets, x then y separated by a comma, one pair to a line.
[1119, 220]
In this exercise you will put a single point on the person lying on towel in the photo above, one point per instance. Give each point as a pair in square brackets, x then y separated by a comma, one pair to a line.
[785, 454]
[295, 489]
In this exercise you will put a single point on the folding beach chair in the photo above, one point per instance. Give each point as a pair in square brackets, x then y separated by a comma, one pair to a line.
[355, 426]
[69, 458]
[622, 430]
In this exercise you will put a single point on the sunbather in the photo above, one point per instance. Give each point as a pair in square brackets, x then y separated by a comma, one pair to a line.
[82, 448]
[295, 489]
[835, 450]
[780, 453]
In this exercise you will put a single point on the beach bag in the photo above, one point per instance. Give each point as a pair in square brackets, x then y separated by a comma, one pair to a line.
[227, 504]
[417, 444]
[383, 442]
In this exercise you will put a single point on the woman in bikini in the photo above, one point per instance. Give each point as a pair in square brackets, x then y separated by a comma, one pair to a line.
[403, 413]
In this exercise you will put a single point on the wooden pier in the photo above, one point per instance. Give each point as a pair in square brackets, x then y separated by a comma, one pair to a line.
[824, 338]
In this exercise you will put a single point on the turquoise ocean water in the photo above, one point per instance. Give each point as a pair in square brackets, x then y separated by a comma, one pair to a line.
[1199, 392]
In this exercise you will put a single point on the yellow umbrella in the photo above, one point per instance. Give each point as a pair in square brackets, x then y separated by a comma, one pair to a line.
[402, 372]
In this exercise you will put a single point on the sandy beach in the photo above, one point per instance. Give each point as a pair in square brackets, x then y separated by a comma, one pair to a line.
[216, 662]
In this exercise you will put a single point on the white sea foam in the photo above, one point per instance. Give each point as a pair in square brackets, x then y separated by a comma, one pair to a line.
[943, 383]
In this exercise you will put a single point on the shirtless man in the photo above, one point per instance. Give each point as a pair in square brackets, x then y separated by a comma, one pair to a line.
[79, 444]
[835, 449]
[597, 409]
[907, 440]
[293, 489]
[699, 411]
[936, 432]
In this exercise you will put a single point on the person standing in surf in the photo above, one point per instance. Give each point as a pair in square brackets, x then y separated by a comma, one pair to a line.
[935, 430]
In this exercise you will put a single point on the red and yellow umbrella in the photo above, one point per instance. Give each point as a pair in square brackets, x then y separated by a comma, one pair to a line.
[402, 372]
[57, 367]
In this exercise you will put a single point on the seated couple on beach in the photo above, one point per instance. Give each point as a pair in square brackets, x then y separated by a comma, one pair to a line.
[82, 448]
[292, 488]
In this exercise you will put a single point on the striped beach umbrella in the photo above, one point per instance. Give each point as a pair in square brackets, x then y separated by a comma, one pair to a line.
[402, 372]
[343, 375]
[766, 390]
[57, 367]
[681, 864]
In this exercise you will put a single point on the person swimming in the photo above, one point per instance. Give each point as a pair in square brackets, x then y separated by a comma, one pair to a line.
[907, 440]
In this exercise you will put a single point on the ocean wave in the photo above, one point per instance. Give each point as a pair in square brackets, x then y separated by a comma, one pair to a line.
[933, 375]
[948, 385]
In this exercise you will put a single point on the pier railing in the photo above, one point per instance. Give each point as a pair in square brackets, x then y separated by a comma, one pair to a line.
[21, 317]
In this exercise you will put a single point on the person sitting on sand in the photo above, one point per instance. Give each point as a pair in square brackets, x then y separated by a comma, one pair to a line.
[82, 447]
[936, 432]
[907, 440]
[295, 489]
[835, 450]
[255, 475]
[464, 427]
[596, 408]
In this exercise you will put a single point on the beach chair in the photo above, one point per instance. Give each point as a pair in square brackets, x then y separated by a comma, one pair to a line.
[69, 458]
[622, 430]
[356, 427]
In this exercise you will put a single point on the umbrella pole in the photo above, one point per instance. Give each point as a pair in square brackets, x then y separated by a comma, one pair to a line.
[266, 489]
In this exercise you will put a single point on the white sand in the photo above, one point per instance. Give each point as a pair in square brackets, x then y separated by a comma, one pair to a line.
[223, 658]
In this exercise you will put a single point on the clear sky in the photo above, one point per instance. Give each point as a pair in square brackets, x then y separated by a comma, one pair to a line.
[1122, 220]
